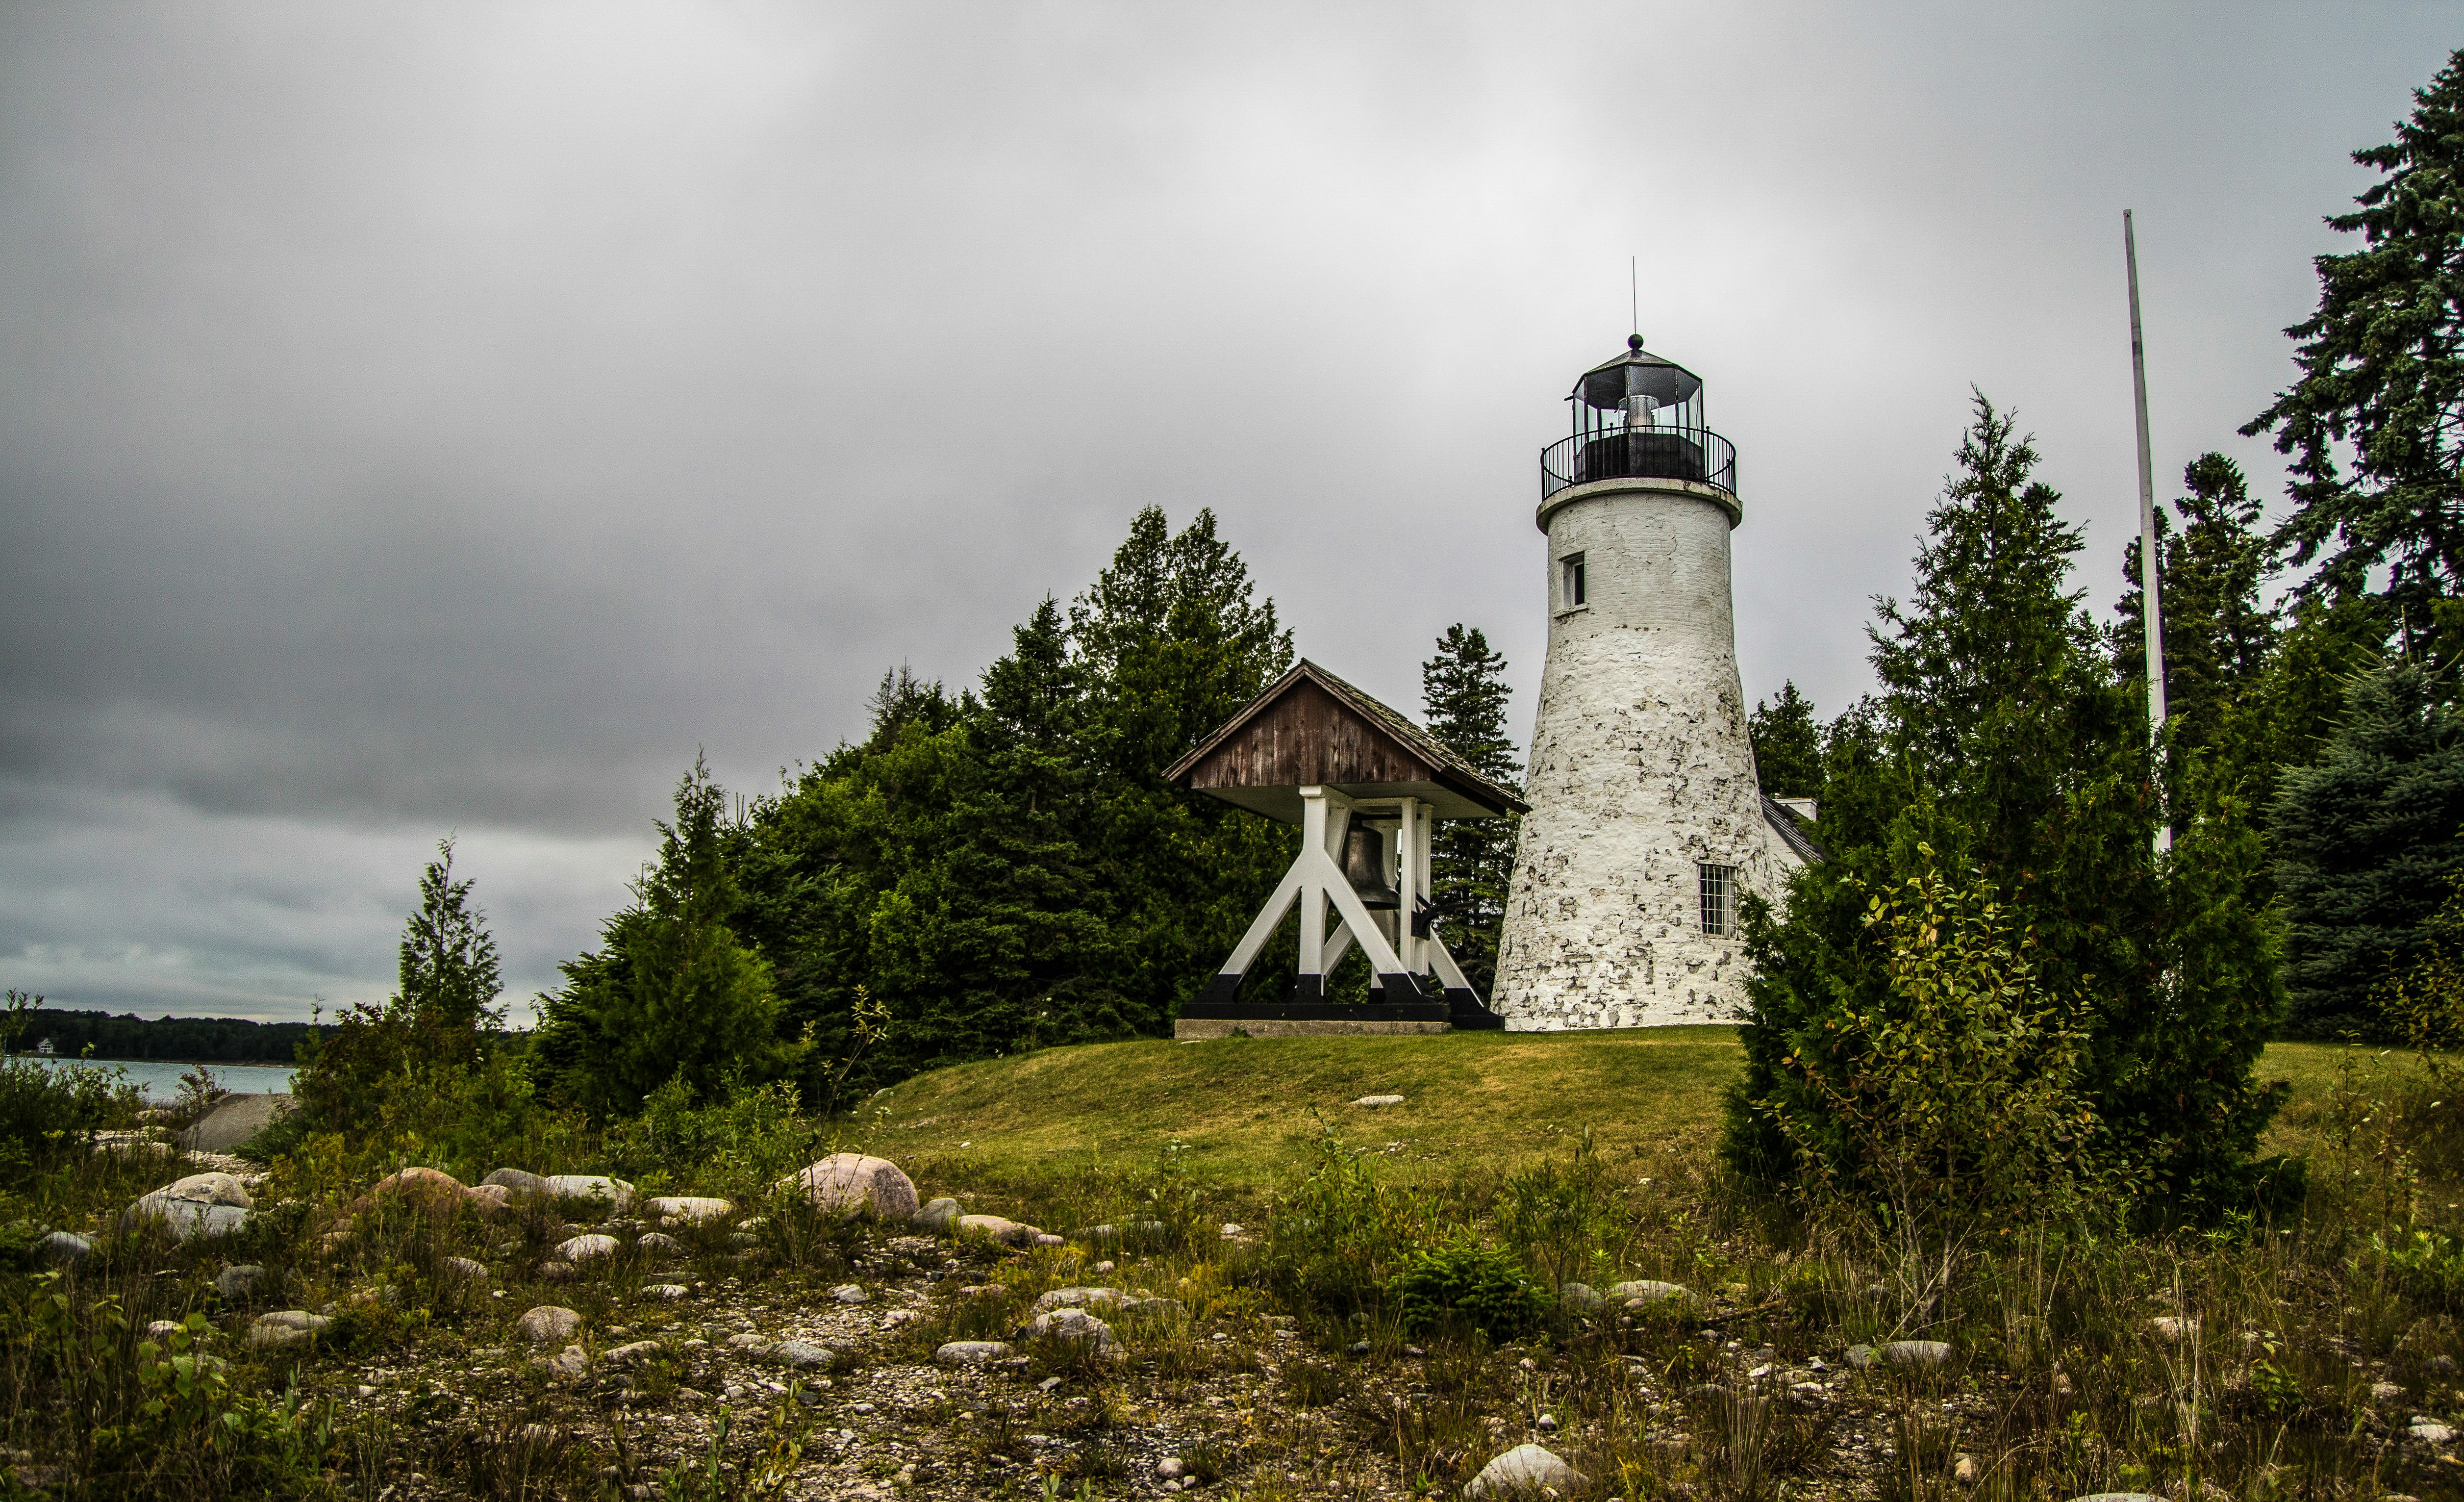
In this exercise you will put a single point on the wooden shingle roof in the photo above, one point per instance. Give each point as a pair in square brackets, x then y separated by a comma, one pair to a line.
[1311, 728]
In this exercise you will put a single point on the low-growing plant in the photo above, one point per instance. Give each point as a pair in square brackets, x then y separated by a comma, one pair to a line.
[1344, 1231]
[741, 1143]
[1462, 1282]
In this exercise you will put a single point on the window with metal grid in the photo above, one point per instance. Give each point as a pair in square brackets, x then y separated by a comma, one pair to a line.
[1719, 887]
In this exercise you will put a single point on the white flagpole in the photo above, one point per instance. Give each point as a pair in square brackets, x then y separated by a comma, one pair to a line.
[2151, 607]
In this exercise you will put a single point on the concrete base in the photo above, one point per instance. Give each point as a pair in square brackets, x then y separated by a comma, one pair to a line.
[1194, 1030]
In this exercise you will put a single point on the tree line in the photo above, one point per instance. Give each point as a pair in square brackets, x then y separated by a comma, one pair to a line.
[184, 1040]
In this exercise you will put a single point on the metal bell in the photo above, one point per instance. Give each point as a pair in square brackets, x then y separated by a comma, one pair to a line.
[1364, 866]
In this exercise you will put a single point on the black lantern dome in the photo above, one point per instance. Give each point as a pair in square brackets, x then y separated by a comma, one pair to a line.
[1638, 416]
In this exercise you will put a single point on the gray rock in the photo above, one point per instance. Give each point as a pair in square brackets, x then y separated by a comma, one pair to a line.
[690, 1209]
[1916, 1352]
[667, 1292]
[548, 1324]
[288, 1327]
[802, 1354]
[644, 1350]
[659, 1243]
[2430, 1432]
[1649, 1290]
[570, 1363]
[1008, 1232]
[61, 1249]
[597, 1189]
[747, 1341]
[161, 1328]
[239, 1284]
[938, 1215]
[477, 1272]
[526, 1185]
[1116, 1232]
[1377, 1102]
[585, 1248]
[972, 1353]
[1071, 1327]
[1581, 1298]
[1079, 1299]
[850, 1293]
[853, 1183]
[188, 1219]
[2119, 1496]
[231, 1121]
[1861, 1356]
[1522, 1471]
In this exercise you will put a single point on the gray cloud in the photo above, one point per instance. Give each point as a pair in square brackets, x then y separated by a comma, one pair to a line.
[429, 417]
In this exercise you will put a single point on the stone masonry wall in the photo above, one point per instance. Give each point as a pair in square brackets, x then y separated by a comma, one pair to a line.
[1640, 768]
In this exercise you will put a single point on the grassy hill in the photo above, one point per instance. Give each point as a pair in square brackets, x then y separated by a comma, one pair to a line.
[1248, 1109]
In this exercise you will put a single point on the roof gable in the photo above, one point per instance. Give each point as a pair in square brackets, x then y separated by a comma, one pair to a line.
[1311, 728]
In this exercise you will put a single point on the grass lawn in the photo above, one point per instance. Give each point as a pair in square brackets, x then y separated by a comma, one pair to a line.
[1247, 1109]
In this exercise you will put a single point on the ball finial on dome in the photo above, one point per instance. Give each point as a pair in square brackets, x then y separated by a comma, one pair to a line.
[1634, 341]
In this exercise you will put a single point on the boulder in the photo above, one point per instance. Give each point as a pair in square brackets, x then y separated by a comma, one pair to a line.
[658, 1244]
[61, 1249]
[548, 1324]
[1071, 1327]
[216, 1188]
[585, 1248]
[802, 1355]
[854, 1184]
[627, 1355]
[614, 1193]
[237, 1285]
[688, 1209]
[1580, 1298]
[850, 1293]
[1916, 1352]
[937, 1216]
[572, 1363]
[492, 1196]
[464, 1268]
[663, 1291]
[1649, 1290]
[972, 1353]
[2172, 1328]
[231, 1121]
[518, 1182]
[1008, 1232]
[288, 1327]
[1522, 1473]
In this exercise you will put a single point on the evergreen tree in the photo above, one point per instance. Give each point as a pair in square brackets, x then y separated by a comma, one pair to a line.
[2382, 363]
[1788, 744]
[2217, 633]
[1464, 694]
[2366, 846]
[670, 993]
[2005, 755]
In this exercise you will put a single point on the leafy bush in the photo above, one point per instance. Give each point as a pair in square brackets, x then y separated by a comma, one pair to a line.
[1462, 1281]
[1560, 1218]
[2430, 1267]
[1951, 1109]
[741, 1143]
[48, 1113]
[1338, 1238]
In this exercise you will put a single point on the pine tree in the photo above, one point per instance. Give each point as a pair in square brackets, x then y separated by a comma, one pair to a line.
[1788, 744]
[2366, 846]
[2004, 754]
[2218, 634]
[670, 993]
[1464, 694]
[2382, 365]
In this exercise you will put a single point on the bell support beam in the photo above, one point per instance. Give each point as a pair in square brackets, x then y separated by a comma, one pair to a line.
[1315, 882]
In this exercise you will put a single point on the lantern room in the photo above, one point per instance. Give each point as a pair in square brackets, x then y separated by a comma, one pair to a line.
[1638, 417]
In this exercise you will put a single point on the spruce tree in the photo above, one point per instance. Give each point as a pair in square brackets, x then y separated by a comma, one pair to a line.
[2366, 848]
[2005, 752]
[1464, 696]
[671, 992]
[2382, 386]
[2218, 634]
[1788, 744]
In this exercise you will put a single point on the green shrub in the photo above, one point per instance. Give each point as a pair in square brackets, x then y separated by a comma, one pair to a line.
[49, 1114]
[1464, 1282]
[1338, 1238]
[1561, 1218]
[741, 1143]
[2430, 1267]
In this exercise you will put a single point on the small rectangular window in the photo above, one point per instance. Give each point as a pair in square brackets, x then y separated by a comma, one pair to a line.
[1719, 884]
[1575, 596]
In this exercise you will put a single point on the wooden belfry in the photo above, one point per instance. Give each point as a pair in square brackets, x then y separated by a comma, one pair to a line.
[1367, 787]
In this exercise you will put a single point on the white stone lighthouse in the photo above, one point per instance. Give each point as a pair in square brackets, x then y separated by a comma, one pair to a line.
[1647, 824]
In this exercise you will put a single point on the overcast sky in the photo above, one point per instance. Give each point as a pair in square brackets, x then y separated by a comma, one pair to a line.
[432, 418]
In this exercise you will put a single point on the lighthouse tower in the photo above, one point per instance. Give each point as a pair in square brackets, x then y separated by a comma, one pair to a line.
[1647, 824]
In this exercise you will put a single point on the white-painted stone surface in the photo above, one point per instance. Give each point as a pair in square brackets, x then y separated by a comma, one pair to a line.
[1640, 771]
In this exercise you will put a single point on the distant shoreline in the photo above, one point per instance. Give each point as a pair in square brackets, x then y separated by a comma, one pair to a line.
[211, 1064]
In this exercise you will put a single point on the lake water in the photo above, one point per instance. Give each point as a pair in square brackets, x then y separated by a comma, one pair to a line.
[161, 1081]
